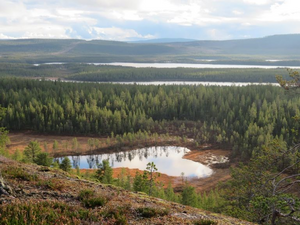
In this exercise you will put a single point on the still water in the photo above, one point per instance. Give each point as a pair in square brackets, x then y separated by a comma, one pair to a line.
[204, 83]
[182, 65]
[192, 65]
[168, 160]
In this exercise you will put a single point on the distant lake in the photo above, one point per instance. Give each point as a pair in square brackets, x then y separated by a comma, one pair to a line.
[191, 65]
[182, 65]
[205, 83]
[168, 160]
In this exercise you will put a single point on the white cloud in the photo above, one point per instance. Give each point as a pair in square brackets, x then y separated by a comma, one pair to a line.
[114, 33]
[110, 18]
[258, 2]
[107, 4]
[218, 34]
[237, 12]
[125, 15]
[10, 9]
[288, 10]
[48, 31]
[2, 36]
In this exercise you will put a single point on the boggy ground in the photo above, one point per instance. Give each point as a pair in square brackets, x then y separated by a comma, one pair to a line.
[41, 195]
[20, 140]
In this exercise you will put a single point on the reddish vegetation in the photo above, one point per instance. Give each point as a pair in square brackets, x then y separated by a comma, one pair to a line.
[164, 178]
[21, 140]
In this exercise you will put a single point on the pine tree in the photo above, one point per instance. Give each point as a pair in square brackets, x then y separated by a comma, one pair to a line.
[65, 164]
[104, 172]
[139, 183]
[44, 159]
[18, 155]
[189, 196]
[169, 193]
[55, 145]
[31, 151]
[150, 170]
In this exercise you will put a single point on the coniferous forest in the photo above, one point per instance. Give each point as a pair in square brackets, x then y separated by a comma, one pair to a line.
[244, 118]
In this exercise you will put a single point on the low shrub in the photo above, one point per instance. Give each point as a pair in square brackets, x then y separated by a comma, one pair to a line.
[86, 193]
[52, 184]
[148, 212]
[117, 215]
[205, 222]
[94, 202]
[90, 199]
[19, 173]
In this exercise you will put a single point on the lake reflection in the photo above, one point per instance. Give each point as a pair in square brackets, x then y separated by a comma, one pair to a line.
[168, 160]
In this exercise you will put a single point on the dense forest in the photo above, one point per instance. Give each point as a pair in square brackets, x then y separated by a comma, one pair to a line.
[119, 73]
[105, 73]
[242, 117]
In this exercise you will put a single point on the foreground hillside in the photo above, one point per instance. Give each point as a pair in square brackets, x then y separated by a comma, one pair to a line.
[39, 195]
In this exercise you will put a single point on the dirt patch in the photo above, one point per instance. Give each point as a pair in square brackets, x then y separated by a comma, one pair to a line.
[208, 157]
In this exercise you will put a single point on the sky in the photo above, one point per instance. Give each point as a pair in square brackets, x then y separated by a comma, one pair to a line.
[130, 20]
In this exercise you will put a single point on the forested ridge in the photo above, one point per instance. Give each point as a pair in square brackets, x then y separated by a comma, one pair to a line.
[120, 73]
[107, 73]
[242, 117]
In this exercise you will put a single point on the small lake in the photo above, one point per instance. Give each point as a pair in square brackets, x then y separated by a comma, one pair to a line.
[168, 160]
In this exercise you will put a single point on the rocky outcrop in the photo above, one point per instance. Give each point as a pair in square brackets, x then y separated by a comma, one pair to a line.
[4, 188]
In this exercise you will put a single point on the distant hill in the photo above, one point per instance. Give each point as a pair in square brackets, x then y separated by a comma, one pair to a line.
[164, 40]
[285, 47]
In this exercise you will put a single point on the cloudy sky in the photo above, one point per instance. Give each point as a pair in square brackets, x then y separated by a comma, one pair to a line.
[127, 20]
